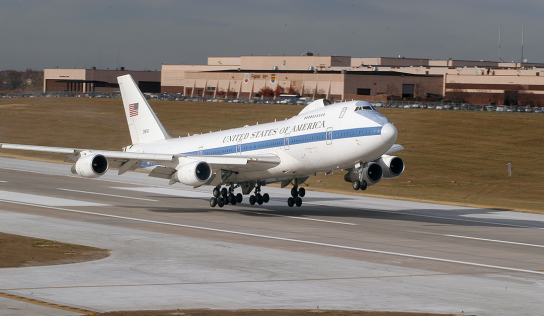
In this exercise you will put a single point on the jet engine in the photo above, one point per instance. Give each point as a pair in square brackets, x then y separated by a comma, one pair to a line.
[91, 166]
[392, 166]
[194, 173]
[372, 174]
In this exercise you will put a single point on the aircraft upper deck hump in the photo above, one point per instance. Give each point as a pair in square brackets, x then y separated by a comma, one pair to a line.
[143, 124]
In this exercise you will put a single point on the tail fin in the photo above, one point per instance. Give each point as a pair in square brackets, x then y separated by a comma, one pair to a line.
[143, 124]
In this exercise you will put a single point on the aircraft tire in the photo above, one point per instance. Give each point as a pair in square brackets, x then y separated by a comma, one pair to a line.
[298, 201]
[294, 192]
[220, 202]
[259, 198]
[364, 185]
[239, 198]
[232, 199]
[252, 200]
[224, 192]
[213, 201]
[356, 185]
[290, 202]
[216, 192]
[266, 198]
[301, 192]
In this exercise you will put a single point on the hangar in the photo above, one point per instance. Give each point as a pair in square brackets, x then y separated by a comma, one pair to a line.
[96, 80]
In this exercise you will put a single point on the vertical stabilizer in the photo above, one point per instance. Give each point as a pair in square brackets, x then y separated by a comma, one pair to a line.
[143, 124]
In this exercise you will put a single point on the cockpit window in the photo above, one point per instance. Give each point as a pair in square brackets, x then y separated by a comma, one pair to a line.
[365, 108]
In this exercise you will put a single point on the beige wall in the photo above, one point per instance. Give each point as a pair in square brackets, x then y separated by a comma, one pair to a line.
[224, 61]
[173, 76]
[316, 85]
[293, 62]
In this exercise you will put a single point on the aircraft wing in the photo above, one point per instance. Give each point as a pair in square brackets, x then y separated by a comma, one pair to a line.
[126, 161]
[394, 149]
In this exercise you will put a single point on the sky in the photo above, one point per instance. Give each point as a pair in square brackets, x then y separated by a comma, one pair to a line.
[142, 35]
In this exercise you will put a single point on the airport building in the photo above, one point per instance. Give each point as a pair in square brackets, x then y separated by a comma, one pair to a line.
[333, 77]
[344, 77]
[95, 80]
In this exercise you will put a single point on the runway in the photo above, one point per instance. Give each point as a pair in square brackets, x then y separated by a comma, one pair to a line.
[171, 250]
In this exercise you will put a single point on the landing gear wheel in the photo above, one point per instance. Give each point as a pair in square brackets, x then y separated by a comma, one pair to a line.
[220, 202]
[224, 192]
[239, 197]
[259, 198]
[298, 201]
[232, 199]
[294, 192]
[356, 185]
[364, 185]
[252, 200]
[216, 192]
[266, 198]
[213, 201]
[290, 202]
[301, 192]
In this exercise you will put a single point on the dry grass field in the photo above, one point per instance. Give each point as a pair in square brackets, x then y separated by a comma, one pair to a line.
[21, 251]
[471, 148]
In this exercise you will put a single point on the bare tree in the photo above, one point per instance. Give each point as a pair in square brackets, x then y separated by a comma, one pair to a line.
[279, 90]
[392, 90]
[457, 95]
[266, 92]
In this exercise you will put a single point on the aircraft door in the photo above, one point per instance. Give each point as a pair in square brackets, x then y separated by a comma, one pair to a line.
[286, 142]
[200, 150]
[239, 148]
[329, 135]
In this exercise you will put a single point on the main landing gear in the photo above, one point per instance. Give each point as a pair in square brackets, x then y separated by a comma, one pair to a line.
[224, 196]
[258, 198]
[296, 196]
[360, 185]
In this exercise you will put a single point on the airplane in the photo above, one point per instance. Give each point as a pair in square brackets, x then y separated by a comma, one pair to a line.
[348, 136]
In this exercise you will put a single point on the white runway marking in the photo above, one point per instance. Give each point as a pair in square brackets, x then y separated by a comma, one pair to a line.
[3, 181]
[497, 241]
[113, 195]
[43, 200]
[290, 240]
[293, 217]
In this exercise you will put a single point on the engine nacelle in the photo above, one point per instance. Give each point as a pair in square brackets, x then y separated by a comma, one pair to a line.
[392, 166]
[194, 173]
[91, 166]
[372, 174]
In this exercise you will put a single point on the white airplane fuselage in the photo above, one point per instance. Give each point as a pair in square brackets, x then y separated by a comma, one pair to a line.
[330, 138]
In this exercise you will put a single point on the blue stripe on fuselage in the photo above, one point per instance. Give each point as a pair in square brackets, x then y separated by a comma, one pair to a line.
[283, 141]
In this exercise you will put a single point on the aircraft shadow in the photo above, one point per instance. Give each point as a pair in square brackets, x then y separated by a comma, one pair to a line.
[458, 217]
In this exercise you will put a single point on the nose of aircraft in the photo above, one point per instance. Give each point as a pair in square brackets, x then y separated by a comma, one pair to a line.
[389, 133]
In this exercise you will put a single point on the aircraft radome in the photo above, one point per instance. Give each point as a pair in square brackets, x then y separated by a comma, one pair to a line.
[323, 137]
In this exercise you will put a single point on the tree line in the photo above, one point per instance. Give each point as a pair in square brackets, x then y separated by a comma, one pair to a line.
[13, 81]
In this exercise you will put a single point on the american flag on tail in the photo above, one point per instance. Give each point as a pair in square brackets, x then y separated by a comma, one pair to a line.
[133, 109]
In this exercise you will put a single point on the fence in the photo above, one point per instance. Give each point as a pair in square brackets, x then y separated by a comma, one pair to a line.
[445, 106]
